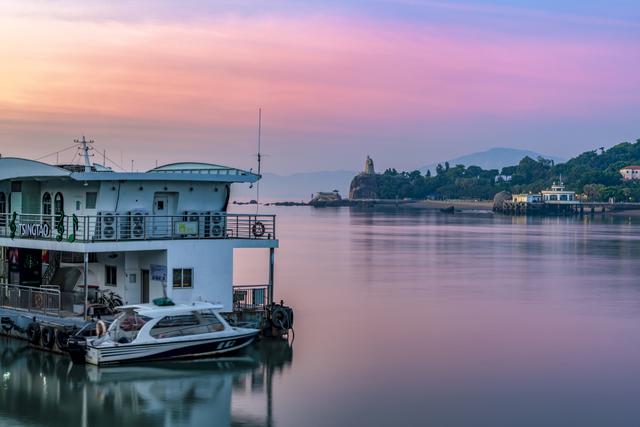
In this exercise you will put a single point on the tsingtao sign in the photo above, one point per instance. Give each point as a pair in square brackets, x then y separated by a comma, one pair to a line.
[35, 230]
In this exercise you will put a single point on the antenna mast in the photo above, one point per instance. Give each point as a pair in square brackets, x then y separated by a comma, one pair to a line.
[259, 158]
[85, 148]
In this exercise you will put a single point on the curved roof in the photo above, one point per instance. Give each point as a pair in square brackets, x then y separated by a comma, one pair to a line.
[203, 169]
[13, 168]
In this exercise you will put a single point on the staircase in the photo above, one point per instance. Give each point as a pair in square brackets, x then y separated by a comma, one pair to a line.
[54, 264]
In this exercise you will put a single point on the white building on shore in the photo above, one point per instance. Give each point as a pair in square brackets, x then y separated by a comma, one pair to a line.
[145, 234]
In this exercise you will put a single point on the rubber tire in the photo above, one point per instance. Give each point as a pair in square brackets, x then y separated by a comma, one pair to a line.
[33, 333]
[48, 337]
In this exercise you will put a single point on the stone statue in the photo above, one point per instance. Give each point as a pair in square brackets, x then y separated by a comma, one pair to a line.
[368, 167]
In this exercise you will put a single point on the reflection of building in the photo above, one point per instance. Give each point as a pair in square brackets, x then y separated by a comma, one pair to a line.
[224, 391]
[630, 173]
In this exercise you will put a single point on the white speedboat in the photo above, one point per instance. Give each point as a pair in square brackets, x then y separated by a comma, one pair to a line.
[149, 332]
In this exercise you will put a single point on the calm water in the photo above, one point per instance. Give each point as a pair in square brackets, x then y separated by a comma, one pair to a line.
[402, 319]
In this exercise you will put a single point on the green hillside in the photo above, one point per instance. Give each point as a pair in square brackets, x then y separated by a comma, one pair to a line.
[595, 173]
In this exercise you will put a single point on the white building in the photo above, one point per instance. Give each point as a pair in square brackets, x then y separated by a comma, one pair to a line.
[527, 198]
[558, 195]
[146, 234]
[630, 173]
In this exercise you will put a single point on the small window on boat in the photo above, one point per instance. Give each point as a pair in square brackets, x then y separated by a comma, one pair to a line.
[182, 277]
[180, 325]
[111, 275]
[90, 200]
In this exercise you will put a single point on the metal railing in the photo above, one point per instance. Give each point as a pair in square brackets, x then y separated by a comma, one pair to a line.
[136, 226]
[33, 300]
[250, 297]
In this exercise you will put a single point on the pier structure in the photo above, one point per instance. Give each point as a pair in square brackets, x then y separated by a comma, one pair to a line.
[77, 236]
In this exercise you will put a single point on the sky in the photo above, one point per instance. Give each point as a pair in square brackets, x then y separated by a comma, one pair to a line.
[409, 82]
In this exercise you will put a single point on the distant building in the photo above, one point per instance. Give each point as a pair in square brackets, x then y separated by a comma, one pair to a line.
[558, 194]
[527, 198]
[630, 173]
[368, 167]
[503, 178]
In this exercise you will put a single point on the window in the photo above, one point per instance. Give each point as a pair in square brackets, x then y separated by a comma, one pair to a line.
[78, 205]
[3, 209]
[111, 275]
[186, 324]
[46, 204]
[16, 186]
[563, 197]
[91, 199]
[182, 277]
[58, 204]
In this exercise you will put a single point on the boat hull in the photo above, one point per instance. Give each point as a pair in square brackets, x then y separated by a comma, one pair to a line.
[129, 353]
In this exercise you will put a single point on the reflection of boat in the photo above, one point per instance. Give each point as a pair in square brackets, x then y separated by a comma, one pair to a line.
[451, 209]
[234, 390]
[150, 332]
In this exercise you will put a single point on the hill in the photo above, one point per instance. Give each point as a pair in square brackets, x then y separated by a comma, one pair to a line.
[494, 158]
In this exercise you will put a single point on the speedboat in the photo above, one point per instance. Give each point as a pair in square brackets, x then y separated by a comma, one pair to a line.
[147, 332]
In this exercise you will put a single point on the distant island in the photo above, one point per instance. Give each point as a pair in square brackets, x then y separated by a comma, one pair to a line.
[596, 174]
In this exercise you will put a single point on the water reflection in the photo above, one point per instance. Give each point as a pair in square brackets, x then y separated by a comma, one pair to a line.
[45, 389]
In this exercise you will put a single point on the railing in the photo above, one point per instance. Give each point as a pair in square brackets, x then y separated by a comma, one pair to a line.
[33, 300]
[250, 297]
[137, 226]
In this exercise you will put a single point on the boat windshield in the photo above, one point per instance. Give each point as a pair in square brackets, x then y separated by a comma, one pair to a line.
[127, 326]
[194, 323]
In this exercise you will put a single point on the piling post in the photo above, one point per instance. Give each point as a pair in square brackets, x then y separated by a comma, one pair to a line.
[272, 256]
[85, 273]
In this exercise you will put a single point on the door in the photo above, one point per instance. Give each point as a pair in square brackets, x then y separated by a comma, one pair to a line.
[145, 286]
[161, 222]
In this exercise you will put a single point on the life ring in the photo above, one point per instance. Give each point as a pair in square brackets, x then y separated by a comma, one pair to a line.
[101, 328]
[33, 333]
[48, 337]
[258, 229]
[38, 300]
[280, 318]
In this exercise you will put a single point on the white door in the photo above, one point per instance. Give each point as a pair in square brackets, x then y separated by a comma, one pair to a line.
[161, 220]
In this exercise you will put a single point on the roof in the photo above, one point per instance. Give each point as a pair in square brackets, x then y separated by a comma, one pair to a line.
[631, 167]
[17, 168]
[13, 168]
[152, 310]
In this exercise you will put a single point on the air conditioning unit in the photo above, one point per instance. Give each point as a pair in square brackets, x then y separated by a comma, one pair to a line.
[107, 224]
[217, 225]
[138, 223]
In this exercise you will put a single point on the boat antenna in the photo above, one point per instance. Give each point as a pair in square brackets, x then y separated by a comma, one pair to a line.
[85, 147]
[259, 158]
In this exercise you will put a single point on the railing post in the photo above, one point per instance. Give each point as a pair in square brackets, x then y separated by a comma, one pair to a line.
[272, 256]
[29, 305]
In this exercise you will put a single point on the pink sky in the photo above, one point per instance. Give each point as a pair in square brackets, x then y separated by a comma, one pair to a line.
[407, 92]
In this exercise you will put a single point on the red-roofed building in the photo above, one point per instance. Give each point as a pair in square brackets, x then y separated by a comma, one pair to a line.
[630, 173]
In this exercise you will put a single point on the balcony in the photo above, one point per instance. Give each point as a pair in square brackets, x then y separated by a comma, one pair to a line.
[137, 226]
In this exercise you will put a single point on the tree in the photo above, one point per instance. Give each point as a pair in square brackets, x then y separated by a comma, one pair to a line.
[446, 166]
[439, 169]
[428, 174]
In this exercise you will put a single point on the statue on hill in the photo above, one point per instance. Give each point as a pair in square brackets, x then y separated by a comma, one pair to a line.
[368, 167]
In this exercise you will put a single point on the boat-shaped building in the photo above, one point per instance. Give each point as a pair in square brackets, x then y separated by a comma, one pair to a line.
[144, 235]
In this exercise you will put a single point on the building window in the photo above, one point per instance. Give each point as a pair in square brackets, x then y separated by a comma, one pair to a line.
[16, 186]
[111, 275]
[91, 199]
[46, 204]
[58, 204]
[3, 209]
[182, 277]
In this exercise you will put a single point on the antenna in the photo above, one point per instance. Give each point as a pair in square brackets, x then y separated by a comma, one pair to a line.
[259, 158]
[85, 148]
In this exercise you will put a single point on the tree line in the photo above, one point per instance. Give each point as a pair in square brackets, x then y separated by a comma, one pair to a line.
[593, 173]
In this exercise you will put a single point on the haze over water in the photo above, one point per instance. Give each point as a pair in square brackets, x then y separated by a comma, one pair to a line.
[402, 318]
